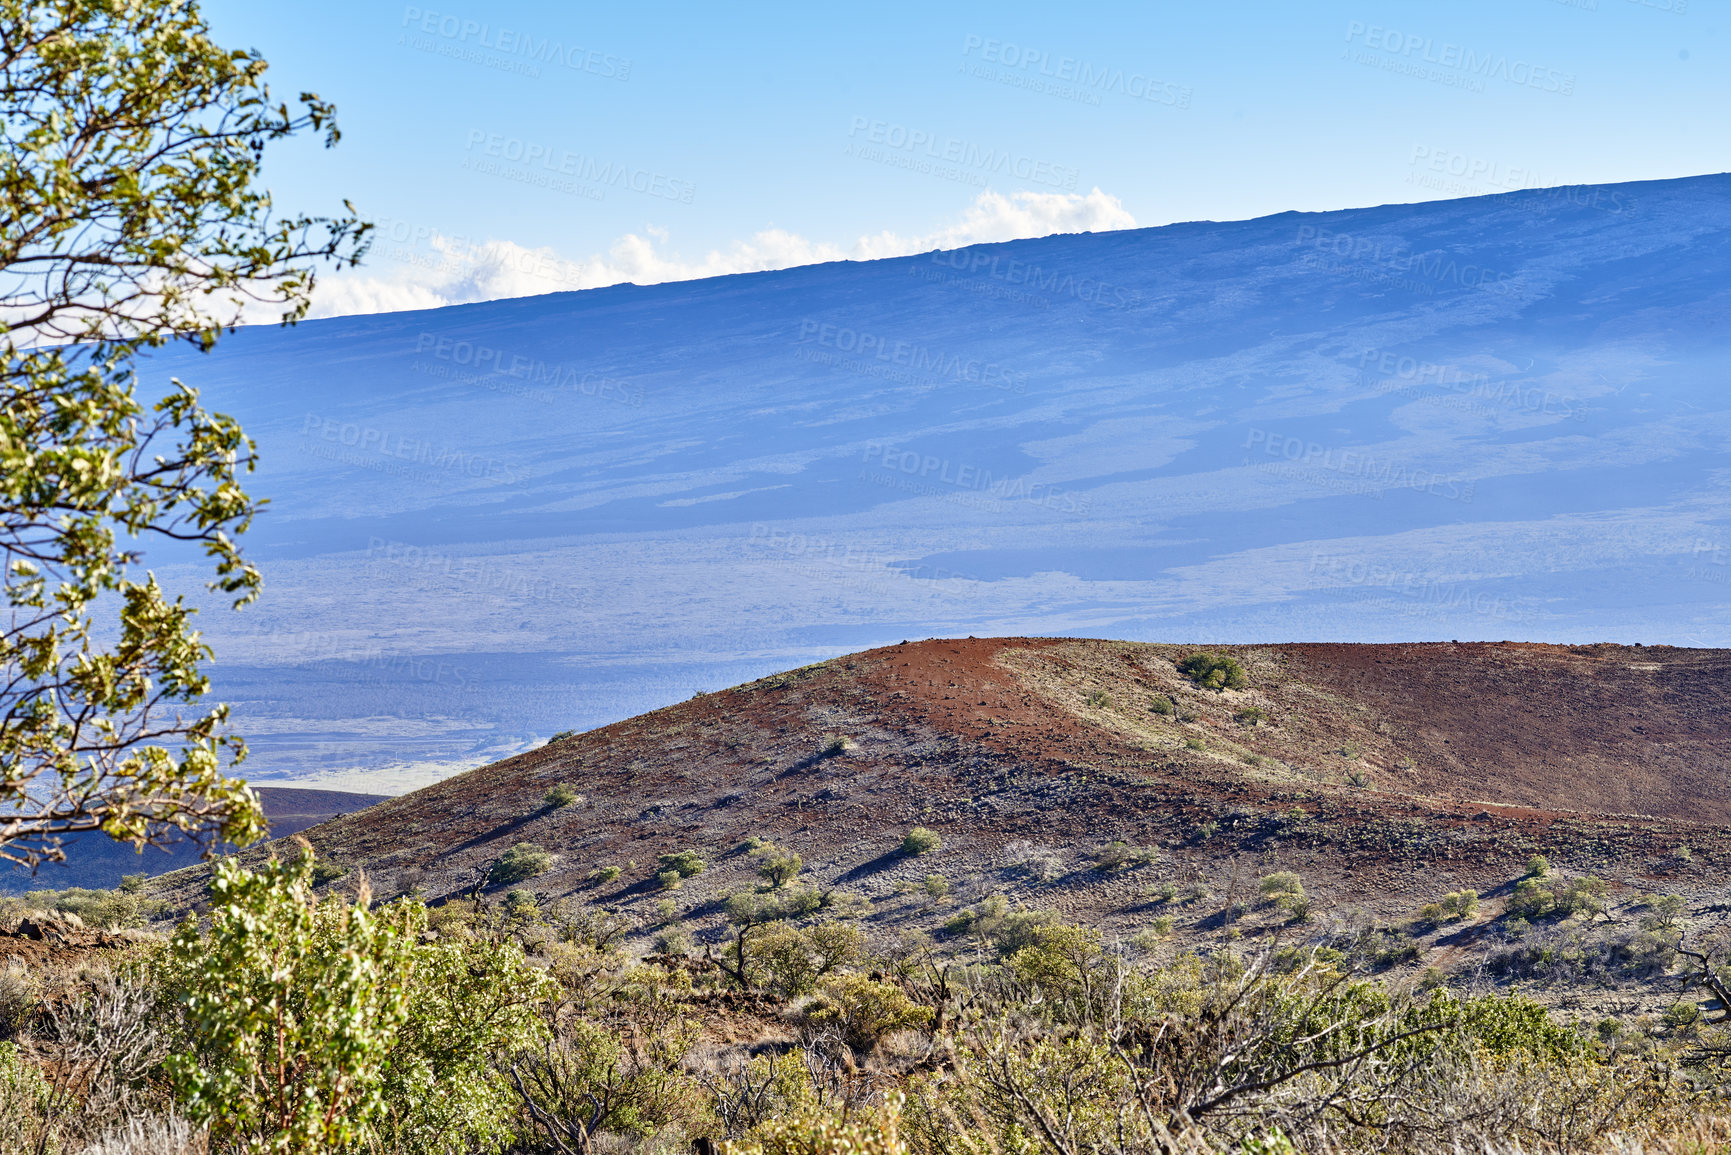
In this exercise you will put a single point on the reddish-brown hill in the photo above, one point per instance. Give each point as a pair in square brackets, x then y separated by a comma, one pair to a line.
[1380, 772]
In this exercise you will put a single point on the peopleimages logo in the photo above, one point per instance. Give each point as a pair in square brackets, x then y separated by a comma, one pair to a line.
[1085, 76]
[925, 146]
[1393, 255]
[1453, 57]
[564, 162]
[1014, 272]
[869, 347]
[478, 33]
[486, 360]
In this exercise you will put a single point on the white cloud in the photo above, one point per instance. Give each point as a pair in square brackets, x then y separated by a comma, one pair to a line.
[432, 270]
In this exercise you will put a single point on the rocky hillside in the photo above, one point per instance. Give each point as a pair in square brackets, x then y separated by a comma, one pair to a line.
[1384, 775]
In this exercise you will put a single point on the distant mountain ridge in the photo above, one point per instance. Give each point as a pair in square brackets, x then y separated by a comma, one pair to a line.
[98, 862]
[1499, 417]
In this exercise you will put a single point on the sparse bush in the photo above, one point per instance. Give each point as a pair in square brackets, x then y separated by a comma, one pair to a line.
[520, 863]
[1534, 899]
[107, 909]
[810, 1131]
[25, 1097]
[1455, 906]
[324, 872]
[684, 863]
[1165, 892]
[1118, 856]
[1100, 700]
[666, 909]
[18, 997]
[1538, 866]
[1357, 777]
[1282, 889]
[1214, 671]
[1663, 911]
[602, 875]
[560, 795]
[561, 736]
[937, 886]
[1195, 744]
[864, 1011]
[837, 744]
[1154, 934]
[670, 879]
[1040, 863]
[133, 883]
[1161, 705]
[522, 904]
[673, 939]
[921, 841]
[1250, 716]
[780, 868]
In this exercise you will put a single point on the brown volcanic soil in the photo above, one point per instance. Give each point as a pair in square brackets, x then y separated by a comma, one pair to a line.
[1384, 774]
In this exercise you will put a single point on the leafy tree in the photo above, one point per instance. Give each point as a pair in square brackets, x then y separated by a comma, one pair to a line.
[130, 218]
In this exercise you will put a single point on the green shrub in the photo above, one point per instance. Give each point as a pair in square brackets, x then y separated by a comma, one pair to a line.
[1214, 671]
[294, 1006]
[684, 863]
[561, 736]
[780, 868]
[1251, 716]
[673, 940]
[1537, 866]
[1663, 911]
[107, 909]
[864, 1011]
[670, 879]
[25, 1097]
[133, 883]
[1535, 899]
[836, 745]
[921, 841]
[1282, 889]
[560, 796]
[1195, 744]
[1160, 705]
[523, 861]
[602, 875]
[937, 886]
[1454, 906]
[1100, 700]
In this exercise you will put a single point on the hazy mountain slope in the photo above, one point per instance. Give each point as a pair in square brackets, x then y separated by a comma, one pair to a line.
[1501, 417]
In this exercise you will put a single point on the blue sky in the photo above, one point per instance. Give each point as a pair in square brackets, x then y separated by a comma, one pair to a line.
[516, 148]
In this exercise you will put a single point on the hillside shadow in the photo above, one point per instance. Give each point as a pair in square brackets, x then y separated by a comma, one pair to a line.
[881, 862]
[499, 831]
